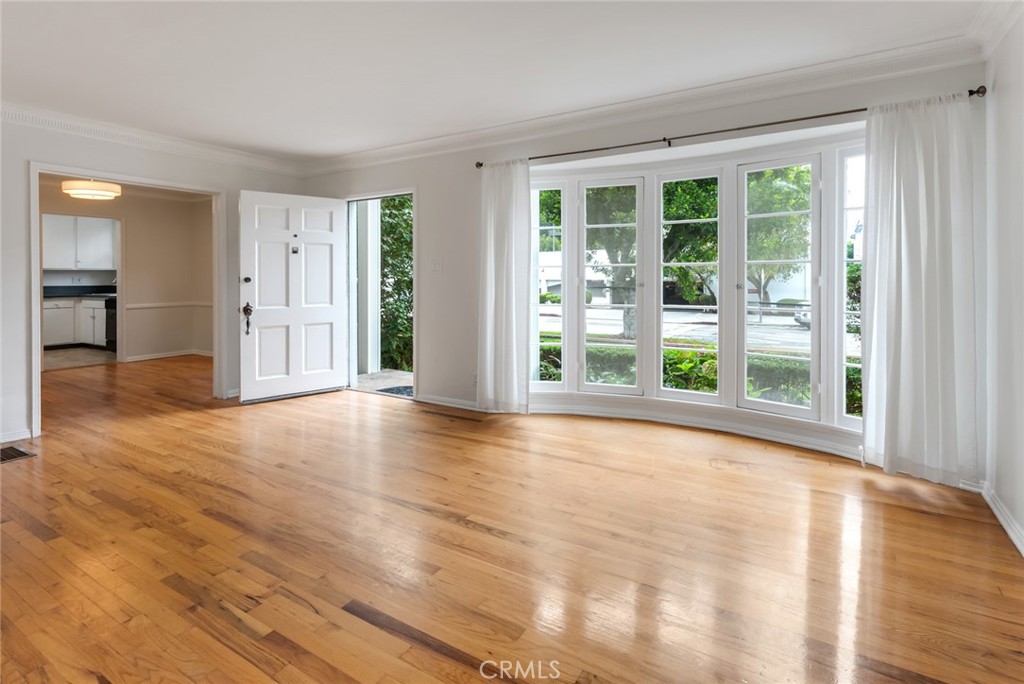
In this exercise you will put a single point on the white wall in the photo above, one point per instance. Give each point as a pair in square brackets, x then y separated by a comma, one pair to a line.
[447, 207]
[23, 144]
[1005, 428]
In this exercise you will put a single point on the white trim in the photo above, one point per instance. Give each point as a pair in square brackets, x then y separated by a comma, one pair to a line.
[15, 436]
[991, 24]
[231, 394]
[100, 130]
[877, 66]
[166, 305]
[771, 427]
[1013, 528]
[445, 401]
[166, 355]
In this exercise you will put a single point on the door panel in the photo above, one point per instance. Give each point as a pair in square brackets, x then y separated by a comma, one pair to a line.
[293, 248]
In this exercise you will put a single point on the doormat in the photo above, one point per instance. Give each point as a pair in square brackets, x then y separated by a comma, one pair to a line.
[8, 454]
[401, 390]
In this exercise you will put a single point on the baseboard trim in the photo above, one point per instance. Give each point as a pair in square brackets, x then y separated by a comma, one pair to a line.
[15, 436]
[167, 355]
[1002, 513]
[445, 401]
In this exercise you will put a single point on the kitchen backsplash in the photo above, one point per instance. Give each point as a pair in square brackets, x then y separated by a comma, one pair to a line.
[51, 277]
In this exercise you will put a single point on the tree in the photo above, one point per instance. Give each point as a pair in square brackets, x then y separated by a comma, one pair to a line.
[396, 265]
[695, 244]
[775, 238]
[615, 207]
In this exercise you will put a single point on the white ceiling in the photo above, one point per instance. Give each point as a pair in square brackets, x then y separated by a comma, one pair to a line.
[315, 80]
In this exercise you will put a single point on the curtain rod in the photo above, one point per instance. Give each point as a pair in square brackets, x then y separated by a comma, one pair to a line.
[980, 91]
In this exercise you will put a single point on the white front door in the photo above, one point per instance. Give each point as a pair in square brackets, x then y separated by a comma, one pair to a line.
[293, 286]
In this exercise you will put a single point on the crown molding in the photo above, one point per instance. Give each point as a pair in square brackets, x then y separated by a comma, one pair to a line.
[905, 61]
[990, 24]
[108, 132]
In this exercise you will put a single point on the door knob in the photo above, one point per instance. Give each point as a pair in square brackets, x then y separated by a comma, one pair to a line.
[247, 312]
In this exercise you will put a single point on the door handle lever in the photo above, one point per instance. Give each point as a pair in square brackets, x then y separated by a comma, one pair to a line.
[247, 312]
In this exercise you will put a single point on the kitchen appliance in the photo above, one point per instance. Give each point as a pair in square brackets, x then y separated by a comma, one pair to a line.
[111, 332]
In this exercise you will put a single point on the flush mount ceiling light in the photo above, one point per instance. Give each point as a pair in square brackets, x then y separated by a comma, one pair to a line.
[90, 189]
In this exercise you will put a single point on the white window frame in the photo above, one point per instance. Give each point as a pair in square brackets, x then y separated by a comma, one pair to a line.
[581, 285]
[813, 412]
[724, 226]
[841, 418]
[568, 289]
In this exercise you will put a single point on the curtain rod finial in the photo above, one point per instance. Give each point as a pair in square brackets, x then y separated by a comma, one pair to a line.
[980, 91]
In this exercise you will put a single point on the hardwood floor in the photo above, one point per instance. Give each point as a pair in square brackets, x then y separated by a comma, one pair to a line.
[160, 535]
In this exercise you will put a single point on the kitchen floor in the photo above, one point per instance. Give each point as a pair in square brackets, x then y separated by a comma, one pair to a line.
[54, 359]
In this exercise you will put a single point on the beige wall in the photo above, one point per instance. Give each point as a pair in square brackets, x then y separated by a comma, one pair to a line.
[166, 271]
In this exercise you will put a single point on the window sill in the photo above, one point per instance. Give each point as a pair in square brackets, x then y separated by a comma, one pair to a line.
[831, 439]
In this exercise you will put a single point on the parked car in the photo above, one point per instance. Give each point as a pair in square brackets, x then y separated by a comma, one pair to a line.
[803, 319]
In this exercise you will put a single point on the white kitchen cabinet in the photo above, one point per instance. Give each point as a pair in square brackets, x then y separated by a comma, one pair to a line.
[59, 322]
[79, 242]
[91, 317]
[59, 250]
[95, 241]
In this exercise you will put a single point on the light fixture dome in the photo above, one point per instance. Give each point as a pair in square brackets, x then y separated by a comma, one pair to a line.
[90, 189]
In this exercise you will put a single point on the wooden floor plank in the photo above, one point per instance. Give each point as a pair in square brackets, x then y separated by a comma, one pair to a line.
[350, 537]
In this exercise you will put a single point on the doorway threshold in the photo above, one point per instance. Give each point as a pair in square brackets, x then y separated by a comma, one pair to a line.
[392, 382]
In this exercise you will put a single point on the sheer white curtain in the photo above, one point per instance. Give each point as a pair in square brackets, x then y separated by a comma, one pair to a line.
[920, 362]
[502, 360]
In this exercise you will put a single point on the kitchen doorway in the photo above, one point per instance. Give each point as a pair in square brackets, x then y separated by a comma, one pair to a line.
[127, 279]
[384, 263]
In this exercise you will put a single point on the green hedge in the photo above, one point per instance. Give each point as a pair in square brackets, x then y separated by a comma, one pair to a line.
[771, 379]
[685, 369]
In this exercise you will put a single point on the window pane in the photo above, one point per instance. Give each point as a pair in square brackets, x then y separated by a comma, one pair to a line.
[854, 181]
[776, 190]
[615, 245]
[549, 320]
[852, 337]
[854, 396]
[854, 229]
[615, 204]
[611, 365]
[549, 279]
[773, 285]
[549, 363]
[854, 271]
[550, 240]
[690, 199]
[611, 325]
[785, 381]
[689, 242]
[550, 208]
[612, 284]
[688, 369]
[691, 328]
[775, 238]
[690, 285]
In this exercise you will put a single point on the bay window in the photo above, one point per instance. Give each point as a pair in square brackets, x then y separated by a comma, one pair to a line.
[727, 282]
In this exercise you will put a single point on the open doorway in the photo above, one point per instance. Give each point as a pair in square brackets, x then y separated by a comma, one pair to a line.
[127, 279]
[384, 292]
